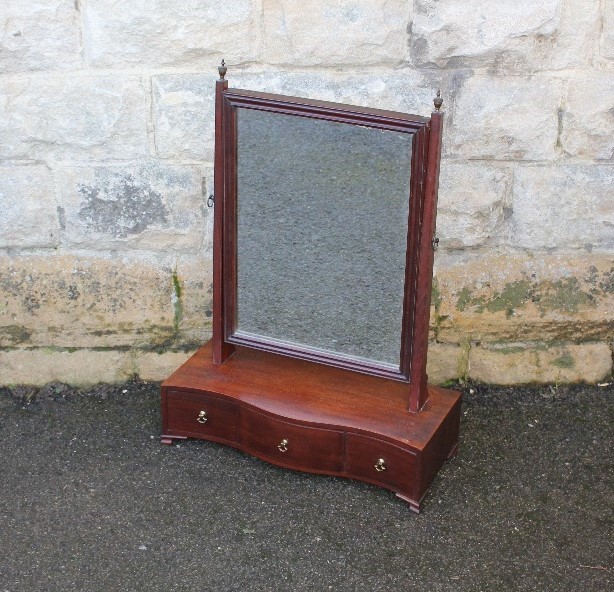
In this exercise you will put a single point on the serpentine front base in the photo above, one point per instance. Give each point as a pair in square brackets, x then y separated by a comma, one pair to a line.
[314, 418]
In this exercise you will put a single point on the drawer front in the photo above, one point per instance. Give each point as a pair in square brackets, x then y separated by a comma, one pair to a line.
[198, 415]
[381, 462]
[292, 445]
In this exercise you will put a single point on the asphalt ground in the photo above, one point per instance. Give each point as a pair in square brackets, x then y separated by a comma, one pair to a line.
[90, 501]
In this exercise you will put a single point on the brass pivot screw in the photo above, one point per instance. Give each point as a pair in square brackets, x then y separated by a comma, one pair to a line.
[202, 417]
[380, 465]
[283, 445]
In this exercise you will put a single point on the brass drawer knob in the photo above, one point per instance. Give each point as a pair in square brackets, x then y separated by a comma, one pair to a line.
[380, 465]
[202, 417]
[283, 445]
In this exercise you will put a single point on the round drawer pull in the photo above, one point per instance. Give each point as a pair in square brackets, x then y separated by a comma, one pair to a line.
[380, 465]
[202, 417]
[283, 445]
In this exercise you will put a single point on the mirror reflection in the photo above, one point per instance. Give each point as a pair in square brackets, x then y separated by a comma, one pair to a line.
[322, 234]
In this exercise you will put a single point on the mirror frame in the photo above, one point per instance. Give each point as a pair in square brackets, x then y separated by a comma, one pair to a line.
[425, 159]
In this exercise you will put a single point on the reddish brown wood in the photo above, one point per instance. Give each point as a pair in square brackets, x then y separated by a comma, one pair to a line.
[221, 348]
[289, 444]
[324, 110]
[424, 277]
[414, 225]
[397, 472]
[195, 415]
[230, 220]
[335, 420]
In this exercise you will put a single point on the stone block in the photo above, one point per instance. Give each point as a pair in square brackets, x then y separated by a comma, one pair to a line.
[161, 33]
[564, 206]
[588, 116]
[348, 32]
[39, 35]
[541, 363]
[29, 215]
[506, 118]
[500, 297]
[184, 116]
[147, 205]
[193, 284]
[444, 362]
[85, 302]
[183, 104]
[512, 36]
[405, 90]
[82, 367]
[159, 366]
[472, 203]
[72, 117]
[607, 31]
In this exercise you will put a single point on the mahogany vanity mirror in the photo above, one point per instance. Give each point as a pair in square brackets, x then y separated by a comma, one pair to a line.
[323, 253]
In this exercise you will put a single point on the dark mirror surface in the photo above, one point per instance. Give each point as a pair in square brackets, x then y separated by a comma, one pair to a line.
[322, 234]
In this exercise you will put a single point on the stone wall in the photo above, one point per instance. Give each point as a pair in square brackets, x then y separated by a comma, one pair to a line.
[106, 148]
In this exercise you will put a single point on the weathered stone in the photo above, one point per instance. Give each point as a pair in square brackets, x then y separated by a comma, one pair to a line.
[444, 362]
[71, 301]
[607, 31]
[183, 116]
[506, 118]
[406, 90]
[565, 206]
[526, 363]
[193, 305]
[39, 35]
[159, 366]
[28, 208]
[82, 367]
[157, 32]
[516, 36]
[73, 117]
[148, 205]
[588, 118]
[345, 32]
[183, 109]
[472, 203]
[519, 297]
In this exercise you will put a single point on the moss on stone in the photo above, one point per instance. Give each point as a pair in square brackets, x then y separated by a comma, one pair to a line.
[464, 299]
[514, 295]
[436, 300]
[177, 303]
[13, 334]
[566, 296]
[564, 361]
[436, 295]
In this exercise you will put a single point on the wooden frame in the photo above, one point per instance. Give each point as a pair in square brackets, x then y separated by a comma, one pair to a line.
[421, 225]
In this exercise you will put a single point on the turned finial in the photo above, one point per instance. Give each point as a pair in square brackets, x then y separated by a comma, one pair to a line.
[438, 101]
[222, 70]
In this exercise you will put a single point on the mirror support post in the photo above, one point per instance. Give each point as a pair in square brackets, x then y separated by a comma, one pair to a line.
[418, 391]
[221, 349]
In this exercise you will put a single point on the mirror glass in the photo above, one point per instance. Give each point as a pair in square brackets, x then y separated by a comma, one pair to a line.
[322, 212]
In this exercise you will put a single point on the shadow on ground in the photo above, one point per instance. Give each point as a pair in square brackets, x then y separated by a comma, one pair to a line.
[90, 501]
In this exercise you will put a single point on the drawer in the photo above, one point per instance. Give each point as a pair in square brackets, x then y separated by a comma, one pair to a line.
[289, 444]
[380, 462]
[200, 415]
